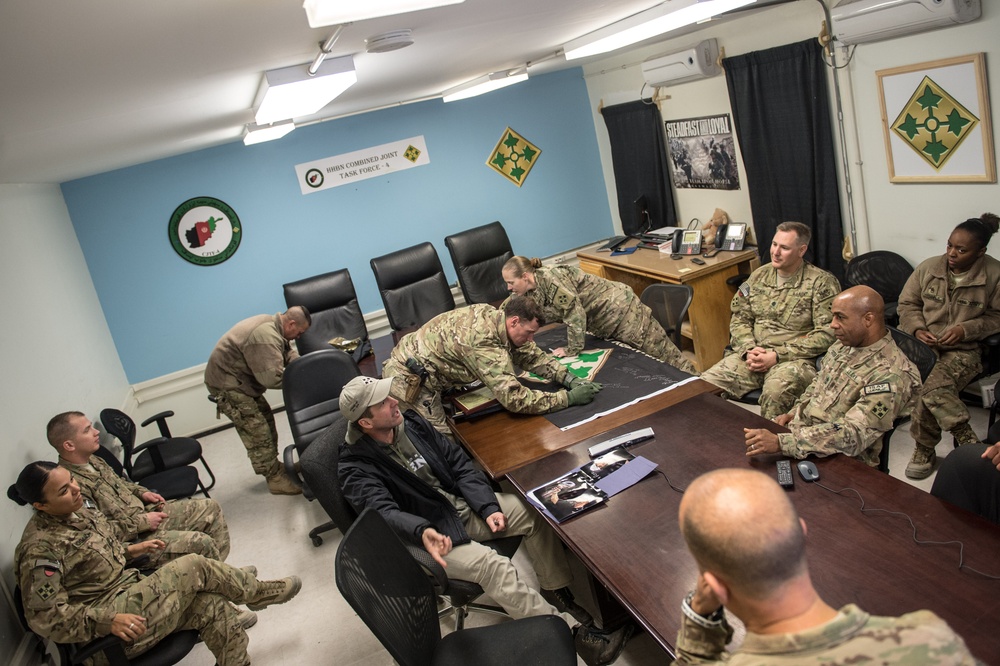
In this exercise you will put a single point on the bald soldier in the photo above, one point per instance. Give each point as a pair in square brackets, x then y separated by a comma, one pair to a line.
[864, 384]
[780, 323]
[482, 343]
[749, 544]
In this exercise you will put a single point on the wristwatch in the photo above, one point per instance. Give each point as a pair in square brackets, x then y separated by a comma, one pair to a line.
[710, 622]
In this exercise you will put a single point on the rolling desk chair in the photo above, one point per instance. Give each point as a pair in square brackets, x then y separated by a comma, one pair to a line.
[885, 272]
[413, 286]
[924, 358]
[479, 255]
[395, 599]
[669, 303]
[333, 305]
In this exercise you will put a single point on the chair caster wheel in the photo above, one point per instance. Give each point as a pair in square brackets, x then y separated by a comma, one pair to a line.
[317, 541]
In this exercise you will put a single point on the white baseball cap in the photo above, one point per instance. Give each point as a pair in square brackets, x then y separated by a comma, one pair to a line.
[361, 393]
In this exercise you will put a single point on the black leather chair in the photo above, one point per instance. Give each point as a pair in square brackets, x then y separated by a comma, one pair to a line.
[157, 455]
[479, 255]
[885, 272]
[393, 597]
[333, 304]
[170, 650]
[176, 483]
[924, 358]
[669, 303]
[311, 387]
[413, 286]
[319, 468]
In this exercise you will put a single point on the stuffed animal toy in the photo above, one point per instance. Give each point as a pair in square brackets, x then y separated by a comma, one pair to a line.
[711, 228]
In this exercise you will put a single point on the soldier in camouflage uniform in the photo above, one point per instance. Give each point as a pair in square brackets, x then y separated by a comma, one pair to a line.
[585, 302]
[249, 359]
[482, 343]
[75, 586]
[185, 526]
[780, 324]
[951, 302]
[765, 582]
[865, 383]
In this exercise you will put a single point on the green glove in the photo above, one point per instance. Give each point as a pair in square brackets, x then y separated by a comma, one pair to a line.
[583, 393]
[572, 380]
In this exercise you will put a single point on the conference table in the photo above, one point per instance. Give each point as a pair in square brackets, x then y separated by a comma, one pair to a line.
[710, 308]
[633, 546]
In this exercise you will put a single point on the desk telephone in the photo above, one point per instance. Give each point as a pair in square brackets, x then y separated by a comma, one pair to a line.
[733, 236]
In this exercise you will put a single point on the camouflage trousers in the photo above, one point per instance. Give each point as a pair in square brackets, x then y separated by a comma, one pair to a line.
[640, 330]
[780, 386]
[254, 423]
[428, 402]
[192, 592]
[938, 406]
[192, 526]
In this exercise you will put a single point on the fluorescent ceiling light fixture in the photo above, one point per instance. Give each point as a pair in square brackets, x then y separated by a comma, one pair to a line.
[331, 12]
[291, 93]
[485, 84]
[650, 23]
[262, 133]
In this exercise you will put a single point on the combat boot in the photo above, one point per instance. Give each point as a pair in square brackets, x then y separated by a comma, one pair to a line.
[270, 592]
[250, 569]
[601, 647]
[921, 463]
[280, 483]
[246, 618]
[562, 600]
[964, 434]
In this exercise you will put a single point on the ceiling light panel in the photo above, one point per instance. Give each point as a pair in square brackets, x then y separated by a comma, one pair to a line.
[291, 93]
[260, 134]
[333, 12]
[485, 84]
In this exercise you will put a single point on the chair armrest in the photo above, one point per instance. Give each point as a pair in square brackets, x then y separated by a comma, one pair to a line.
[161, 422]
[288, 459]
[112, 647]
[153, 446]
[433, 570]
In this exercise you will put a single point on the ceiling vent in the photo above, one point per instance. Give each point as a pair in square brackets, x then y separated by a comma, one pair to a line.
[389, 41]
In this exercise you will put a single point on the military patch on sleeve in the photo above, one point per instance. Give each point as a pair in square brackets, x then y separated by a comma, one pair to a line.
[745, 290]
[563, 298]
[42, 587]
[45, 591]
[872, 389]
[879, 409]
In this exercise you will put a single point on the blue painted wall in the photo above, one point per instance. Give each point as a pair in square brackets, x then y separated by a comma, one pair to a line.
[166, 314]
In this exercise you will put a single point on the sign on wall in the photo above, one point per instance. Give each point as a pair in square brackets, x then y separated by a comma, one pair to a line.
[703, 153]
[205, 231]
[513, 157]
[362, 164]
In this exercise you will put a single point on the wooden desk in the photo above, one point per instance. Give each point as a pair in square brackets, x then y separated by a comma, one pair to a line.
[504, 441]
[710, 310]
[633, 545]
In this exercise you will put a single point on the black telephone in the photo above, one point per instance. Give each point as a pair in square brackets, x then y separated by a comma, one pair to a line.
[686, 241]
[731, 236]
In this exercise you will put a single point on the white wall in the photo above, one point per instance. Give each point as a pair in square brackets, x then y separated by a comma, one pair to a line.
[911, 219]
[57, 350]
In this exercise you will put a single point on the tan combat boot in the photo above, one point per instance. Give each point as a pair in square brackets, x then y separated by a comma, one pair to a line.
[964, 434]
[280, 483]
[921, 463]
[272, 592]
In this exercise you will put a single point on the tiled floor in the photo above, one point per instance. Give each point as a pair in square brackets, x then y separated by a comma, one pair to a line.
[318, 627]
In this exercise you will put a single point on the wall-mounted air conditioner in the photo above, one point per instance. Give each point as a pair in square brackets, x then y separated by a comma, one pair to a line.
[695, 63]
[860, 21]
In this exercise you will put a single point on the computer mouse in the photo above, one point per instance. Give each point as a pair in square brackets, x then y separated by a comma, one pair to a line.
[808, 471]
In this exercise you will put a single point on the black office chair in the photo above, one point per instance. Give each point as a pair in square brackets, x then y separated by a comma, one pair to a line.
[885, 272]
[413, 286]
[319, 468]
[669, 303]
[479, 255]
[333, 304]
[393, 597]
[176, 483]
[924, 358]
[311, 387]
[157, 455]
[169, 651]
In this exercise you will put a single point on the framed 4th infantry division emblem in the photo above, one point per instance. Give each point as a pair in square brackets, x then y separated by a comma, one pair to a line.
[936, 120]
[513, 157]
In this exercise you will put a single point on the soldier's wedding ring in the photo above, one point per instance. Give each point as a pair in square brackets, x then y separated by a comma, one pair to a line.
[132, 626]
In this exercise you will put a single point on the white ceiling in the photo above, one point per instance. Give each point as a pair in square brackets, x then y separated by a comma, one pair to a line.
[88, 86]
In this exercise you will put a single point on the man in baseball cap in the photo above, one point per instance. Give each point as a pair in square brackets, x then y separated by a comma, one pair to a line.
[427, 488]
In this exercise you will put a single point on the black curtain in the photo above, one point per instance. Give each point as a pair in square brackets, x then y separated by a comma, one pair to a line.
[780, 108]
[639, 157]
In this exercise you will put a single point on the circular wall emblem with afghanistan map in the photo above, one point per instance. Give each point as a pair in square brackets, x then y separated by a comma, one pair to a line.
[205, 231]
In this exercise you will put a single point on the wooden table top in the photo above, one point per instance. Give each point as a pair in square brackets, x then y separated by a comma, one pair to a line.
[633, 545]
[659, 265]
[504, 441]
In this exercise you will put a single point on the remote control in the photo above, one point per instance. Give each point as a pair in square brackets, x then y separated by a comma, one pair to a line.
[785, 474]
[628, 439]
